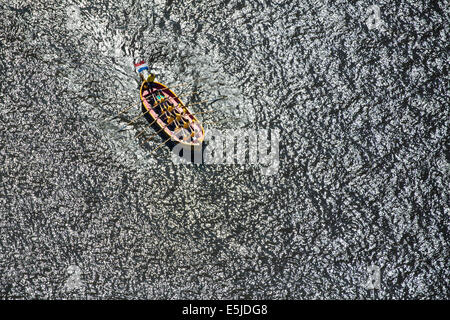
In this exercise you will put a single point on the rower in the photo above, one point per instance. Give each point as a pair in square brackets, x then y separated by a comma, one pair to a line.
[151, 78]
[146, 90]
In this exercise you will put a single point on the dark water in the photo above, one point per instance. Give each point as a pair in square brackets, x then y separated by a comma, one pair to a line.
[359, 205]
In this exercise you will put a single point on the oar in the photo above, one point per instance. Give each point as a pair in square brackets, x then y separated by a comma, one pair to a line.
[142, 114]
[151, 137]
[161, 144]
[161, 105]
[188, 94]
[203, 112]
[183, 84]
[177, 86]
[129, 107]
[162, 113]
[204, 101]
[197, 113]
[209, 111]
[123, 111]
[133, 120]
[145, 129]
[181, 95]
[210, 122]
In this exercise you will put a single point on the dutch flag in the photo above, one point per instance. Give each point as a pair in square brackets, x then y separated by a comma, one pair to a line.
[141, 66]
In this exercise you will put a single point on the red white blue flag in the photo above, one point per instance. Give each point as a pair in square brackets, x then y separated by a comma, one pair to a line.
[141, 66]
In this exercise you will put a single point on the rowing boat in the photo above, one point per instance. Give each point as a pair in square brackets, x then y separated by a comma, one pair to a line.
[167, 110]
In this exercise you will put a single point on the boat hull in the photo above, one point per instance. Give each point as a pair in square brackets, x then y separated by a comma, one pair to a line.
[149, 96]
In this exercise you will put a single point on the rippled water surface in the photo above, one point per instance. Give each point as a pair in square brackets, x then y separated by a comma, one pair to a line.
[357, 209]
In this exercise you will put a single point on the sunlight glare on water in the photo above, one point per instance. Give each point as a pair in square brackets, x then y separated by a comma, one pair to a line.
[356, 210]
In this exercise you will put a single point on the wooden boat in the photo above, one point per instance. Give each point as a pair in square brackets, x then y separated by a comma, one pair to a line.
[168, 111]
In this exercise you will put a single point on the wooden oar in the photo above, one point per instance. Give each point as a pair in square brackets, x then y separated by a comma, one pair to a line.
[161, 105]
[133, 120]
[123, 111]
[145, 129]
[138, 117]
[210, 122]
[184, 84]
[151, 137]
[209, 111]
[142, 114]
[187, 94]
[164, 142]
[204, 101]
[158, 117]
[161, 144]
[177, 86]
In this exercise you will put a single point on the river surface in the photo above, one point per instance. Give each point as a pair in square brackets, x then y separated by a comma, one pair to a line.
[357, 208]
